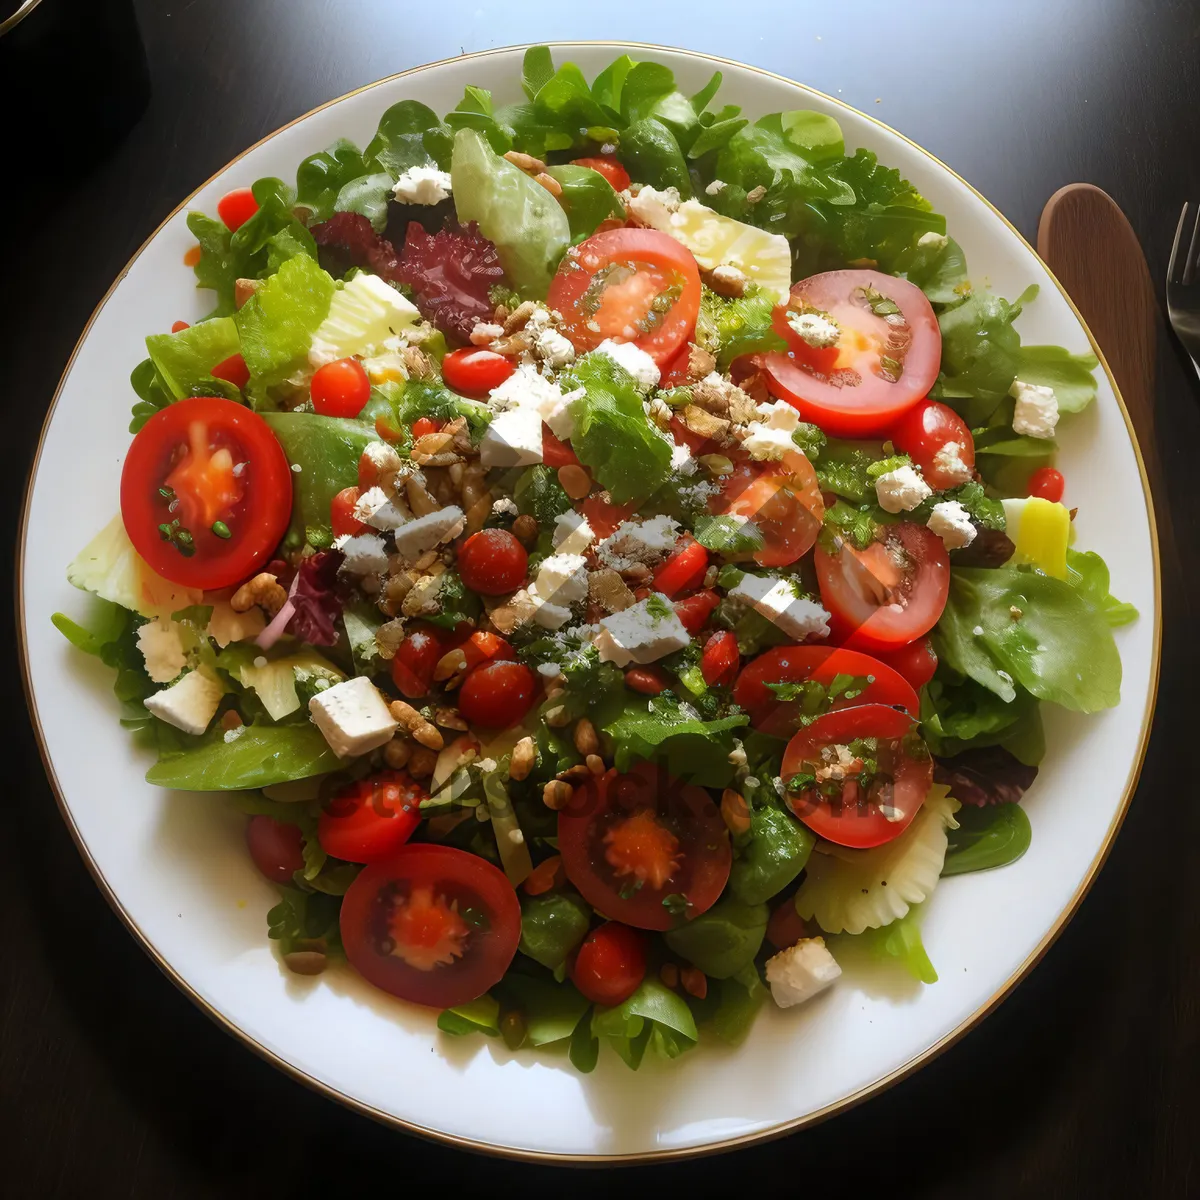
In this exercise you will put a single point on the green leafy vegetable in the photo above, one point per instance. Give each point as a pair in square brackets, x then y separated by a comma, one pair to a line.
[476, 1016]
[552, 925]
[957, 715]
[1070, 375]
[613, 435]
[776, 853]
[368, 195]
[260, 755]
[1087, 572]
[587, 199]
[901, 942]
[304, 921]
[651, 155]
[730, 328]
[723, 940]
[184, 360]
[457, 603]
[321, 177]
[409, 135]
[550, 1011]
[992, 836]
[653, 1015]
[940, 271]
[539, 494]
[110, 634]
[738, 1000]
[530, 230]
[727, 534]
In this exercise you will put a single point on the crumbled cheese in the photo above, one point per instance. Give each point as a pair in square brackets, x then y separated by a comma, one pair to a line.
[653, 207]
[546, 613]
[353, 716]
[424, 533]
[572, 533]
[642, 633]
[526, 389]
[485, 332]
[634, 360]
[381, 511]
[364, 553]
[777, 600]
[949, 463]
[553, 348]
[1036, 413]
[818, 329]
[549, 670]
[638, 541]
[562, 579]
[717, 186]
[952, 523]
[765, 444]
[504, 507]
[901, 490]
[801, 971]
[512, 439]
[162, 649]
[189, 704]
[422, 185]
[682, 459]
[779, 415]
[836, 761]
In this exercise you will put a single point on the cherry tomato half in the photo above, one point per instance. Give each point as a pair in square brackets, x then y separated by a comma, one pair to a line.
[783, 499]
[628, 842]
[649, 681]
[887, 354]
[611, 964]
[888, 594]
[233, 370]
[424, 425]
[925, 434]
[556, 453]
[371, 818]
[498, 694]
[786, 926]
[839, 809]
[1048, 483]
[492, 562]
[795, 664]
[276, 847]
[431, 924]
[341, 513]
[340, 389]
[415, 659]
[684, 570]
[622, 285]
[720, 658]
[607, 166]
[604, 516]
[206, 492]
[694, 610]
[474, 371]
[916, 662]
[236, 208]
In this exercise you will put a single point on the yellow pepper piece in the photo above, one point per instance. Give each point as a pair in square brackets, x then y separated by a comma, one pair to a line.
[1042, 535]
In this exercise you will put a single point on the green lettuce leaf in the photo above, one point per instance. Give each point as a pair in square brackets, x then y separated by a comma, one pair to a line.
[184, 360]
[260, 755]
[992, 836]
[552, 925]
[550, 1011]
[303, 919]
[958, 715]
[587, 199]
[109, 633]
[901, 942]
[476, 1016]
[409, 135]
[777, 851]
[939, 271]
[613, 435]
[321, 177]
[723, 940]
[1070, 375]
[1087, 572]
[728, 329]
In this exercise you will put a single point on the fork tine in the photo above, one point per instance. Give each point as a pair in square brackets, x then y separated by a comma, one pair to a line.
[1189, 267]
[1172, 274]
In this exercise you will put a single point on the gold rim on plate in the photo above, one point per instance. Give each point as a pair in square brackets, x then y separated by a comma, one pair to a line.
[882, 1084]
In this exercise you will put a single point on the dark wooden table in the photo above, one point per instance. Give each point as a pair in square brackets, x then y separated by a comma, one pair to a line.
[1083, 1083]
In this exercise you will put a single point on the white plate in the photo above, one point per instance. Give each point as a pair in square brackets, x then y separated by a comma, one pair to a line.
[175, 867]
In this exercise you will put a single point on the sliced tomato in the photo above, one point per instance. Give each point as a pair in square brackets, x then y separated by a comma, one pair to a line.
[694, 610]
[633, 843]
[839, 809]
[924, 432]
[631, 285]
[206, 492]
[886, 357]
[556, 453]
[675, 372]
[431, 924]
[720, 658]
[889, 594]
[783, 499]
[233, 370]
[604, 516]
[341, 513]
[474, 370]
[649, 681]
[371, 818]
[916, 661]
[609, 167]
[415, 660]
[684, 570]
[424, 425]
[796, 664]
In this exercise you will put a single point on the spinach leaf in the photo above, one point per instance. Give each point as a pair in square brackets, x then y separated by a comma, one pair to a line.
[960, 713]
[1070, 375]
[1087, 572]
[776, 853]
[476, 1016]
[110, 634]
[321, 177]
[738, 1000]
[552, 925]
[587, 199]
[613, 435]
[723, 940]
[302, 919]
[260, 755]
[409, 135]
[940, 271]
[651, 155]
[550, 1011]
[652, 1015]
[585, 1046]
[987, 837]
[327, 450]
[900, 941]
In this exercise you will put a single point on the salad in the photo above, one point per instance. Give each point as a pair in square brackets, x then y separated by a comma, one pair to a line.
[609, 547]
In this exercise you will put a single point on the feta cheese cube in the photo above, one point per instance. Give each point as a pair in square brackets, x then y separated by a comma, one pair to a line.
[818, 329]
[952, 523]
[932, 241]
[505, 507]
[363, 316]
[572, 533]
[562, 579]
[639, 542]
[513, 439]
[553, 348]
[632, 359]
[682, 459]
[424, 533]
[365, 553]
[422, 185]
[1036, 413]
[780, 415]
[526, 389]
[654, 207]
[801, 971]
[766, 444]
[901, 490]
[715, 187]
[950, 463]
[381, 511]
[162, 649]
[189, 704]
[353, 716]
[641, 633]
[777, 600]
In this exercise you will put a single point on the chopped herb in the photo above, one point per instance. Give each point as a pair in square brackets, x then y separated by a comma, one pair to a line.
[879, 304]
